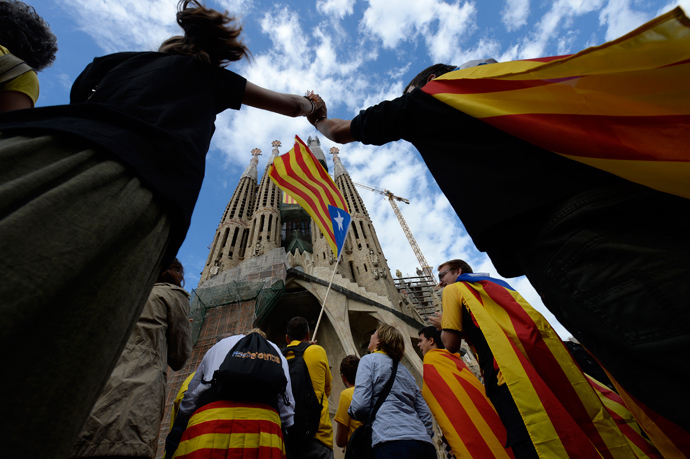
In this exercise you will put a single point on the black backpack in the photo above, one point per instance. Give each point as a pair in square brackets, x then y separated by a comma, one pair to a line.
[307, 406]
[252, 371]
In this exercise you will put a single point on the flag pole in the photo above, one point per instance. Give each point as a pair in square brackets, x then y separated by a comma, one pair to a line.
[323, 303]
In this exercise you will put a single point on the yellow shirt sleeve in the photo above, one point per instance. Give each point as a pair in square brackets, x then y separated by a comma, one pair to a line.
[341, 415]
[452, 308]
[26, 83]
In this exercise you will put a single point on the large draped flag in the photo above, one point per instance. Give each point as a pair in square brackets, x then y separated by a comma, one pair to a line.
[563, 415]
[459, 404]
[299, 174]
[623, 107]
[669, 438]
[626, 421]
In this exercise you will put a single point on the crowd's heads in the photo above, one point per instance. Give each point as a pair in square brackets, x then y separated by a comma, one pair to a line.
[429, 338]
[298, 329]
[390, 341]
[26, 35]
[348, 368]
[209, 35]
[452, 268]
[174, 274]
[423, 77]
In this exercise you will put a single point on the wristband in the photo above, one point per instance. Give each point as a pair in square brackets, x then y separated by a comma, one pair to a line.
[313, 106]
[316, 121]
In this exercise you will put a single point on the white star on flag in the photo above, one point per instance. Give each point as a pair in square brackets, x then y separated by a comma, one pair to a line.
[339, 219]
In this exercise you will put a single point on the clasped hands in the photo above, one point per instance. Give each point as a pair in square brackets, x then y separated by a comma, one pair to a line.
[320, 112]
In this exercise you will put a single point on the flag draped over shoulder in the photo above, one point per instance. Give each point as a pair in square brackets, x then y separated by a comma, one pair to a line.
[626, 421]
[299, 174]
[623, 107]
[458, 402]
[669, 438]
[562, 413]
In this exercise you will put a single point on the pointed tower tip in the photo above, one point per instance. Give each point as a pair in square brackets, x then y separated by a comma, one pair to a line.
[338, 167]
[314, 145]
[251, 170]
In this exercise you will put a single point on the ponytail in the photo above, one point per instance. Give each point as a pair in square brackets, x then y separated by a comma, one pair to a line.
[209, 35]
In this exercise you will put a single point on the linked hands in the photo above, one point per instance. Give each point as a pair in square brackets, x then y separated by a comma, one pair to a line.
[320, 112]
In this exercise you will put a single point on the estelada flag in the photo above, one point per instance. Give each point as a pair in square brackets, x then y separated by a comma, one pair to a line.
[299, 174]
[623, 107]
[642, 447]
[458, 402]
[563, 415]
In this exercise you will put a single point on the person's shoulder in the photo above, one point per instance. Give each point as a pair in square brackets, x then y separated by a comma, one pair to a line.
[165, 288]
[315, 350]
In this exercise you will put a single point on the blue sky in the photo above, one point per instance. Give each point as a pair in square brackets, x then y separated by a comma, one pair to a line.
[354, 53]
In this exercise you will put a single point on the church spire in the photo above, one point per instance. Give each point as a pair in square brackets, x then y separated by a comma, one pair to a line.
[230, 241]
[338, 168]
[264, 233]
[251, 170]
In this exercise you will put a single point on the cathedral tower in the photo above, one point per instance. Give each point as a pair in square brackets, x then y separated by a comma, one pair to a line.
[264, 234]
[230, 242]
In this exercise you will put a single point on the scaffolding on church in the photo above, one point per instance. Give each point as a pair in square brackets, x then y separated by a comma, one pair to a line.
[420, 291]
[265, 294]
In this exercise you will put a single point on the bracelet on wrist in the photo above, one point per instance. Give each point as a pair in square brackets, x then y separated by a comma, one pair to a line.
[313, 106]
[316, 121]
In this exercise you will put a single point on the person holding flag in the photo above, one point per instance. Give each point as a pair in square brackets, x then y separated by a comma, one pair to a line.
[574, 171]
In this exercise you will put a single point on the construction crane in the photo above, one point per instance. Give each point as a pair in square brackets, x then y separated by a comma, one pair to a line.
[426, 269]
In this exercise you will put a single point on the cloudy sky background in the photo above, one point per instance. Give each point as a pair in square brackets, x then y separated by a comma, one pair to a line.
[354, 53]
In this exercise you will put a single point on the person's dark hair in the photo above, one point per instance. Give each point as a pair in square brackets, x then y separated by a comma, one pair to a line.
[455, 264]
[391, 341]
[432, 332]
[173, 275]
[26, 35]
[348, 368]
[297, 328]
[420, 80]
[209, 35]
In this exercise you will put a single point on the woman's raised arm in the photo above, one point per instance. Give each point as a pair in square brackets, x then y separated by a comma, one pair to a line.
[278, 102]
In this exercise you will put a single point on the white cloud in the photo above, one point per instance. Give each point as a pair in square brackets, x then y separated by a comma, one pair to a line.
[685, 4]
[548, 29]
[336, 8]
[620, 18]
[441, 24]
[514, 14]
[119, 25]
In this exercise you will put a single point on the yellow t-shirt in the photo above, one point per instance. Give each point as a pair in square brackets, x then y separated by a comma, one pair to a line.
[317, 363]
[341, 415]
[452, 300]
[26, 83]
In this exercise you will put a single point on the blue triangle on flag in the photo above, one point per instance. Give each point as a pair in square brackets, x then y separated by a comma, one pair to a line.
[341, 222]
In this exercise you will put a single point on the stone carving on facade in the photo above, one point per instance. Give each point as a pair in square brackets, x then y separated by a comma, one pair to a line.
[258, 249]
[373, 258]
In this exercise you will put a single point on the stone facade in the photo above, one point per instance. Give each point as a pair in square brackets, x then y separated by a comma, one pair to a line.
[249, 249]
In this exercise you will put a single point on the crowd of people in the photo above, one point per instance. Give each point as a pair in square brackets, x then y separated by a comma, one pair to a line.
[96, 300]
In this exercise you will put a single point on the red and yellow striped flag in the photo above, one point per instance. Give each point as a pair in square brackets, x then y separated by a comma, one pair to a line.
[232, 429]
[623, 107]
[562, 413]
[669, 438]
[299, 174]
[642, 447]
[459, 404]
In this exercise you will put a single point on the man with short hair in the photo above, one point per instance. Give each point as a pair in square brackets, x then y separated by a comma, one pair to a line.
[457, 323]
[609, 257]
[346, 425]
[452, 392]
[321, 446]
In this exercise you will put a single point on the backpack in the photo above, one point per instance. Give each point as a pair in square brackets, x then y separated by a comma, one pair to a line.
[252, 371]
[307, 406]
